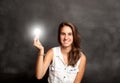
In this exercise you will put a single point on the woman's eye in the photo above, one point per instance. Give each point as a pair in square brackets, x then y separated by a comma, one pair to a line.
[62, 33]
[70, 34]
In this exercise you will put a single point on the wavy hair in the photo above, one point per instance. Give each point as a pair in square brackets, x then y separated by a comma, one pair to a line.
[74, 54]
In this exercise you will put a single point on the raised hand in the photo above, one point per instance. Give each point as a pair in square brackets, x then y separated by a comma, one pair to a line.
[38, 44]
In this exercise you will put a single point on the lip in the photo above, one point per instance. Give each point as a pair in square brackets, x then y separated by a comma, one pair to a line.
[66, 42]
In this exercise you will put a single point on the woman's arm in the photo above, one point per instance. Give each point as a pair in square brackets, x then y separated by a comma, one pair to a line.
[82, 66]
[42, 61]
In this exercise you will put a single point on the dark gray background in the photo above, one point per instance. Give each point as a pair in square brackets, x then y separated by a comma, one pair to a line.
[98, 21]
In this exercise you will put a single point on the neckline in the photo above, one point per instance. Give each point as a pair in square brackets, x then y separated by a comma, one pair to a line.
[61, 56]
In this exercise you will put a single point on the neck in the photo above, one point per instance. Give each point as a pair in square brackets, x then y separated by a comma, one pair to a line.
[65, 50]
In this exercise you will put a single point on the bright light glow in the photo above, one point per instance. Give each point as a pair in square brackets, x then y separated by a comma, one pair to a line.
[36, 29]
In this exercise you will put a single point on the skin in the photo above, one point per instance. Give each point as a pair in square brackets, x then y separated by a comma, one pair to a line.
[43, 63]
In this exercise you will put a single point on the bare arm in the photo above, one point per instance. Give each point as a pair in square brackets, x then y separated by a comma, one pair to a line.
[82, 65]
[42, 62]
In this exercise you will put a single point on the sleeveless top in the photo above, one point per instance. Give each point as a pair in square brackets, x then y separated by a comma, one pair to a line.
[58, 71]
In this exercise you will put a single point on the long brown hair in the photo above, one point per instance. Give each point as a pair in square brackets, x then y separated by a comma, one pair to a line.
[74, 54]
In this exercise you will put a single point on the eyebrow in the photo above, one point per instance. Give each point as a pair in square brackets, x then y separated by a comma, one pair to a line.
[67, 33]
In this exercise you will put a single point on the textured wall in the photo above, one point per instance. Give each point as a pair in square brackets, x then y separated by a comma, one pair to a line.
[98, 21]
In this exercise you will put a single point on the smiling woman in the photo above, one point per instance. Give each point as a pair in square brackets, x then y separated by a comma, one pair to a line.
[66, 58]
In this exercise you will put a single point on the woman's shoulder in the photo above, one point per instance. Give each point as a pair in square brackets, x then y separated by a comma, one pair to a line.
[55, 47]
[83, 56]
[50, 51]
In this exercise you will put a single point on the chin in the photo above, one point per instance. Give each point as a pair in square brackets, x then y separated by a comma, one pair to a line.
[66, 46]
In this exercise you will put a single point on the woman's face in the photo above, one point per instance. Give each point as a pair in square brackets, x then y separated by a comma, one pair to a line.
[66, 36]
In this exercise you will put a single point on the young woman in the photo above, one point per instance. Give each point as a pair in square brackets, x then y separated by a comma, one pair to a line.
[66, 62]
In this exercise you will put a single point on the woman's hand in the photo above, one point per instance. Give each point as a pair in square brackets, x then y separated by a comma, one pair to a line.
[38, 44]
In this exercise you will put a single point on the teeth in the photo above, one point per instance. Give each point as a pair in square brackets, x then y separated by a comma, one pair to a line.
[66, 41]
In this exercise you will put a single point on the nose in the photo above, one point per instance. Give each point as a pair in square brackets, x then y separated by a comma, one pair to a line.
[66, 36]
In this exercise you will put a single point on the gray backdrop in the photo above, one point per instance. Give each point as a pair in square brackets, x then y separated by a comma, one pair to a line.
[98, 21]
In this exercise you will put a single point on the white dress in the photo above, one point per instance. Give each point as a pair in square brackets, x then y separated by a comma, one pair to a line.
[59, 72]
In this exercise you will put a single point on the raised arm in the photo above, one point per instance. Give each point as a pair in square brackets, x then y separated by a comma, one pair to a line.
[42, 61]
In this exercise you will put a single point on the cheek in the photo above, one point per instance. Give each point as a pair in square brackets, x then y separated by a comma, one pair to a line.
[71, 38]
[61, 37]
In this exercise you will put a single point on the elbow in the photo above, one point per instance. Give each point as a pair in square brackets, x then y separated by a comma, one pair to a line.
[39, 77]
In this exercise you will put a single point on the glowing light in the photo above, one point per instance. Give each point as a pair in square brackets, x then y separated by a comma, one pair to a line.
[36, 29]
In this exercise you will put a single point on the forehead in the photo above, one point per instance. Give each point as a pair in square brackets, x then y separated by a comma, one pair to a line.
[66, 29]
